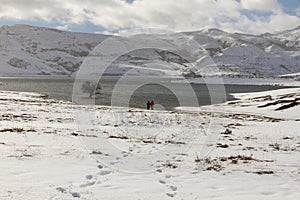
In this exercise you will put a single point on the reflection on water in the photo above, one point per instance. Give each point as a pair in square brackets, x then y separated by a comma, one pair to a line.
[167, 94]
[59, 88]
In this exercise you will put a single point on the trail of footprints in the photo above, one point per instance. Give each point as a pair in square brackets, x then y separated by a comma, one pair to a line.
[100, 177]
[90, 180]
[171, 190]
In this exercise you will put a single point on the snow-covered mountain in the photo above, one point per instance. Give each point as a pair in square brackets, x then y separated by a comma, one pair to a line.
[267, 55]
[29, 50]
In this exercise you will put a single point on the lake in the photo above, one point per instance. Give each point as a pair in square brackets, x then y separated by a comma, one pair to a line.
[161, 92]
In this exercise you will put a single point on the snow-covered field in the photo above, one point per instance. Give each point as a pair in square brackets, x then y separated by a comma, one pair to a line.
[245, 149]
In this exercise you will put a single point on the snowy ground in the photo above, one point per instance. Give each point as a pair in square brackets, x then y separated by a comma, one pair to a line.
[245, 149]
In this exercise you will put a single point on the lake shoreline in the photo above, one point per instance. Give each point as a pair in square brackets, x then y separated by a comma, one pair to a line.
[61, 88]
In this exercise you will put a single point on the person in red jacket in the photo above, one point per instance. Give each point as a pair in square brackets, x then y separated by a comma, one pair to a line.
[152, 105]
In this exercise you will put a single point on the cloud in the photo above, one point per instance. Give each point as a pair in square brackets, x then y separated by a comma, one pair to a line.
[63, 28]
[297, 10]
[273, 23]
[48, 11]
[115, 15]
[263, 5]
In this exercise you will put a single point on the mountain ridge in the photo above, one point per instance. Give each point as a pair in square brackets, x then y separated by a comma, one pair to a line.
[29, 50]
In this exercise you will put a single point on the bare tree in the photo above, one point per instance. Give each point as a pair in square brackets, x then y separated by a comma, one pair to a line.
[89, 87]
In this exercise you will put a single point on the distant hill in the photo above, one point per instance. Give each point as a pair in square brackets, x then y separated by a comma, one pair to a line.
[28, 50]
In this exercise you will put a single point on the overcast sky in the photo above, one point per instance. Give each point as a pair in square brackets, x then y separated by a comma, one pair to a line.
[114, 16]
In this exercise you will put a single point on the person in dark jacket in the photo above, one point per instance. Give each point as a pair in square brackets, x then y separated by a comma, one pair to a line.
[152, 105]
[148, 105]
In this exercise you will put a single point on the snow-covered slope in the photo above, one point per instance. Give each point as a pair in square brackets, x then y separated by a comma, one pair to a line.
[267, 55]
[28, 50]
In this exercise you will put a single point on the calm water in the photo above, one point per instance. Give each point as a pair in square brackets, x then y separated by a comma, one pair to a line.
[167, 96]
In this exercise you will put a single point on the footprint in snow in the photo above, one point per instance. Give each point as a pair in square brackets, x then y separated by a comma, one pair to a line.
[75, 194]
[62, 190]
[100, 167]
[88, 184]
[104, 172]
[170, 195]
[173, 188]
[89, 177]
